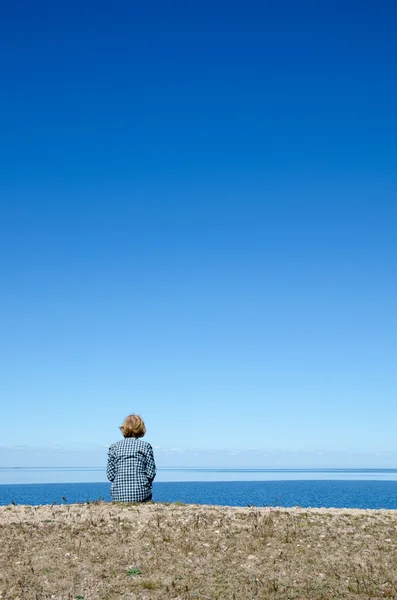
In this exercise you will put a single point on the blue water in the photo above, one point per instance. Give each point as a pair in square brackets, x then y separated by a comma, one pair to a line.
[306, 493]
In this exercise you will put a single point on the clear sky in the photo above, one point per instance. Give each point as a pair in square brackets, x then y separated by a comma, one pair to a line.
[198, 224]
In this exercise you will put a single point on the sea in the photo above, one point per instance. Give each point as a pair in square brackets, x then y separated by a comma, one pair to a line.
[337, 488]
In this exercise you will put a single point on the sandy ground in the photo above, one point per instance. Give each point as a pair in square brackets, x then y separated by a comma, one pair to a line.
[188, 552]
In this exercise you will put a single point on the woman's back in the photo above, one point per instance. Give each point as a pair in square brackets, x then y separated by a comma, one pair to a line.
[131, 469]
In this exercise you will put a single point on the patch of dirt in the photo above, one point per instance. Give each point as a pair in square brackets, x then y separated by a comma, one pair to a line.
[104, 551]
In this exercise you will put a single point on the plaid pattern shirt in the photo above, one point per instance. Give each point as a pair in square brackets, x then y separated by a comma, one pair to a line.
[131, 469]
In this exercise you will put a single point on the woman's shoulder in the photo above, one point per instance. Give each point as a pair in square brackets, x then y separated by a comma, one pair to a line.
[128, 442]
[142, 443]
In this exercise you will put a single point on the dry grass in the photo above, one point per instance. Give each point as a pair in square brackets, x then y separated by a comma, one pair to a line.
[160, 552]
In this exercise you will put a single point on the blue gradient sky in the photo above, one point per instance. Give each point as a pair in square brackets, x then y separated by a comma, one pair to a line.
[198, 223]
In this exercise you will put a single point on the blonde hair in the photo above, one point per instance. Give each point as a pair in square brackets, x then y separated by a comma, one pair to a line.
[133, 426]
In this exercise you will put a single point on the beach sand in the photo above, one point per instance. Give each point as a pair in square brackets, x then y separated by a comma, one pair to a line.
[103, 551]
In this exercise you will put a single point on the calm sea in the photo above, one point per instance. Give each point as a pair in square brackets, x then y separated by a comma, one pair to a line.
[342, 488]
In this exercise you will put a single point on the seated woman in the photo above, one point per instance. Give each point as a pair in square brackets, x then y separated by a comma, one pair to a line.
[131, 467]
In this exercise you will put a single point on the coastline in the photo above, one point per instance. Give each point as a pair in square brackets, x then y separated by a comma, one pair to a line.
[189, 552]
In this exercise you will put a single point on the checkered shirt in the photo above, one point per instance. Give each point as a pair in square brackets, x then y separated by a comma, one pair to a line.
[131, 469]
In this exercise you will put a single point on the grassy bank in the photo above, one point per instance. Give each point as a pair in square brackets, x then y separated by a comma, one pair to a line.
[157, 551]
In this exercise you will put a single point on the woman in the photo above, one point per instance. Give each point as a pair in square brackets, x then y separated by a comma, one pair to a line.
[131, 467]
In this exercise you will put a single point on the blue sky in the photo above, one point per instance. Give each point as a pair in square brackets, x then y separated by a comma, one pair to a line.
[198, 217]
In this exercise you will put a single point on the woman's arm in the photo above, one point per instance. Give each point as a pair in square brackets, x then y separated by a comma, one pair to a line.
[150, 464]
[111, 466]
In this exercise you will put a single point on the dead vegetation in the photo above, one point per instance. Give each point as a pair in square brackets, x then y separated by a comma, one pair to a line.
[102, 551]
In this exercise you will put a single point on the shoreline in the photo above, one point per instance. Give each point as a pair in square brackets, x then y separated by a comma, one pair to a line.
[27, 508]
